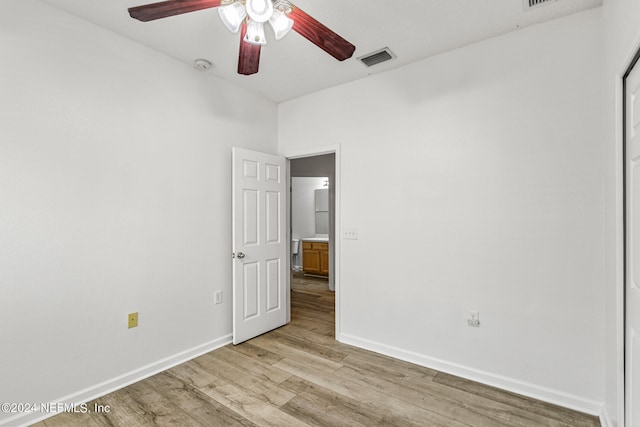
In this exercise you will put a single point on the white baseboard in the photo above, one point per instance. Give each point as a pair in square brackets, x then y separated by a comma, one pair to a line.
[509, 384]
[98, 390]
[605, 418]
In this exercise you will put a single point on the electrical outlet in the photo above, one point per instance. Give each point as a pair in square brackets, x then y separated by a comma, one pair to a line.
[218, 297]
[133, 320]
[473, 319]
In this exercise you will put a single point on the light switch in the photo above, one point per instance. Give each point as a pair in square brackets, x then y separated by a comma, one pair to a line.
[350, 234]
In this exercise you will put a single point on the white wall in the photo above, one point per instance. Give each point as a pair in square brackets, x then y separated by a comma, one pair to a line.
[489, 196]
[115, 192]
[622, 35]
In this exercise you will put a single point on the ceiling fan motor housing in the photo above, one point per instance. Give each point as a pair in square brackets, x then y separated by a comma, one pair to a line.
[259, 10]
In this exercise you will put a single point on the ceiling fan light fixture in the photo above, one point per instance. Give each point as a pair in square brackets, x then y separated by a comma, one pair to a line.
[232, 15]
[255, 33]
[248, 17]
[259, 10]
[280, 23]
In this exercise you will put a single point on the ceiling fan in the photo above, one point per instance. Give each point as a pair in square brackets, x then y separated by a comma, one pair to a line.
[248, 17]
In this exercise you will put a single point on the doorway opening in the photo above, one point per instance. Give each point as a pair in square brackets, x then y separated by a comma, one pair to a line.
[312, 225]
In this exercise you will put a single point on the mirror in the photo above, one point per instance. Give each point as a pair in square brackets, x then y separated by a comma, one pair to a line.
[322, 211]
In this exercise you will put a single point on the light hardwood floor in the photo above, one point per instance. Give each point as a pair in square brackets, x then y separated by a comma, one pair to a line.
[299, 375]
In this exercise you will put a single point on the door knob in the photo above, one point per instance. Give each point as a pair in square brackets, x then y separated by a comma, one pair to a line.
[240, 255]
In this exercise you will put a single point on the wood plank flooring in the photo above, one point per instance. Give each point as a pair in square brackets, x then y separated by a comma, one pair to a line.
[299, 375]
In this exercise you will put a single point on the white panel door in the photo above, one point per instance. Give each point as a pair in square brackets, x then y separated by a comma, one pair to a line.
[259, 243]
[632, 273]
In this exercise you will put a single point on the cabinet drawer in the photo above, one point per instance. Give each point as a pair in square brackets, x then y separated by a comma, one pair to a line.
[316, 246]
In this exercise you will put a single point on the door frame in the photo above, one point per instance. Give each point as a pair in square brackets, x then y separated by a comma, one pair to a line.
[312, 152]
[632, 62]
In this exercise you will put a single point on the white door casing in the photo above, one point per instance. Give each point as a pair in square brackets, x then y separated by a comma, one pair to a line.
[632, 250]
[259, 243]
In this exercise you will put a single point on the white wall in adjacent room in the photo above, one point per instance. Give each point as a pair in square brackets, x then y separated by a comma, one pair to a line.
[303, 209]
[115, 189]
[489, 196]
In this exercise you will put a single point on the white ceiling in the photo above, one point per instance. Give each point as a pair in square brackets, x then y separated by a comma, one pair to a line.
[292, 67]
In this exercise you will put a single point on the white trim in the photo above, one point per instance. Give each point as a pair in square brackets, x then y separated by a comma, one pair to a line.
[288, 237]
[109, 386]
[318, 151]
[620, 251]
[605, 419]
[555, 397]
[310, 152]
[620, 197]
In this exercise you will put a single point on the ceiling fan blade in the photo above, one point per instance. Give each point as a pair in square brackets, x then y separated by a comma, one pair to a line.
[320, 35]
[249, 57]
[164, 9]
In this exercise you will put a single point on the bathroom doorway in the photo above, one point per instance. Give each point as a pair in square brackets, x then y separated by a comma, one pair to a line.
[312, 218]
[323, 162]
[310, 225]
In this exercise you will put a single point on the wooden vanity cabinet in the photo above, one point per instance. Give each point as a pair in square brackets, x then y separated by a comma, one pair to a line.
[315, 258]
[324, 260]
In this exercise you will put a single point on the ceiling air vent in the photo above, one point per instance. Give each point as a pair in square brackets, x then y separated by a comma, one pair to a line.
[377, 57]
[530, 4]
